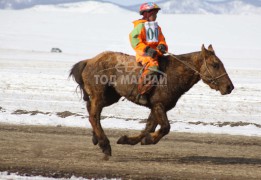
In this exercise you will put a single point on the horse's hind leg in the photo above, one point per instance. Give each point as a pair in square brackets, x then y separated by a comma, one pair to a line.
[150, 127]
[94, 107]
[161, 116]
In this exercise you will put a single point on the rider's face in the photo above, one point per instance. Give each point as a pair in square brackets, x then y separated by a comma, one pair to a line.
[153, 17]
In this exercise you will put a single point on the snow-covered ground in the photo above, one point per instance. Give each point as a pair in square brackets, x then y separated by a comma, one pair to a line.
[34, 84]
[10, 176]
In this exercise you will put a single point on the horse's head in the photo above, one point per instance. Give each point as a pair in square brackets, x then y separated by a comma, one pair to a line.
[214, 73]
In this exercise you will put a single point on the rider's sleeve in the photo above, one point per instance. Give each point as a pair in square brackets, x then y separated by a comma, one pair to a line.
[162, 38]
[137, 38]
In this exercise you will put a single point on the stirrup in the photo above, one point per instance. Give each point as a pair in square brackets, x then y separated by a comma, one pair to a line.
[141, 99]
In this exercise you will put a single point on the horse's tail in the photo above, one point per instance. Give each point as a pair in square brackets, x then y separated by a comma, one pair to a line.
[76, 73]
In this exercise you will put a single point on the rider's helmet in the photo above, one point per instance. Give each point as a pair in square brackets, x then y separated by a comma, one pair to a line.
[145, 7]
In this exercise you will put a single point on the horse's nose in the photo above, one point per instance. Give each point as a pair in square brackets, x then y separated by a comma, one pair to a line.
[230, 88]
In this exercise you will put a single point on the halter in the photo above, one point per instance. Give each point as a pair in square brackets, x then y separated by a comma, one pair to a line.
[212, 80]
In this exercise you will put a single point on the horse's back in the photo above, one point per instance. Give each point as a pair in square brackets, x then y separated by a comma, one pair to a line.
[111, 57]
[106, 64]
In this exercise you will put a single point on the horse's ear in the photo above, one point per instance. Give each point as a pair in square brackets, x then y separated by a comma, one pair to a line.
[203, 50]
[210, 48]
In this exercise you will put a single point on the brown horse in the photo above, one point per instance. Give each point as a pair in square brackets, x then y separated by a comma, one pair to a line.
[107, 77]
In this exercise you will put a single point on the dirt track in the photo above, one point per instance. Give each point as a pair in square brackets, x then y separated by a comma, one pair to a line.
[63, 152]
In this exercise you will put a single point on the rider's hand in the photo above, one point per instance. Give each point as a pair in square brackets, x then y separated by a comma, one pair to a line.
[150, 52]
[162, 48]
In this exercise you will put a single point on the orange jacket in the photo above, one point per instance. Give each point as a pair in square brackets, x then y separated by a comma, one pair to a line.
[146, 34]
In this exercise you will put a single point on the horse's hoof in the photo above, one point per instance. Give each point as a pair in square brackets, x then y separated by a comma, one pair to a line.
[147, 140]
[106, 158]
[94, 140]
[123, 140]
[107, 151]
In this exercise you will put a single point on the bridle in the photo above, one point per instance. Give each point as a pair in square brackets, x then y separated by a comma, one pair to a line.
[212, 80]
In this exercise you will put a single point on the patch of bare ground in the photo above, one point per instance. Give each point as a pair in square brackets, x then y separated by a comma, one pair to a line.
[221, 124]
[63, 152]
[65, 114]
[62, 114]
[20, 111]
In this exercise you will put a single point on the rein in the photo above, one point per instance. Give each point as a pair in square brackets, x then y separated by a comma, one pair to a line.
[212, 80]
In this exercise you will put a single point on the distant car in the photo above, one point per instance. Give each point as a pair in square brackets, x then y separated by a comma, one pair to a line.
[56, 50]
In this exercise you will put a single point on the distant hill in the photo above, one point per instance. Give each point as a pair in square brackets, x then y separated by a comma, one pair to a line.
[83, 6]
[208, 7]
[91, 7]
[168, 6]
[23, 4]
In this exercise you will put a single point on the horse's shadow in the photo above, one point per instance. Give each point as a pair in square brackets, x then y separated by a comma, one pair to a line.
[220, 160]
[201, 160]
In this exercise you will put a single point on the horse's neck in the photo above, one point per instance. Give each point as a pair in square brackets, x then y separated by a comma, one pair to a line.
[186, 71]
[194, 60]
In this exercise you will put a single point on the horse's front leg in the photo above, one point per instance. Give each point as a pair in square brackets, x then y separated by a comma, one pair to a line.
[160, 115]
[150, 127]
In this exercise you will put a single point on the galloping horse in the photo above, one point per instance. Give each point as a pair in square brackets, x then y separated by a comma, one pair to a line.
[105, 78]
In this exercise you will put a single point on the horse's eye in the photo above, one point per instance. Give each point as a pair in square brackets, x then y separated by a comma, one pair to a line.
[215, 65]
